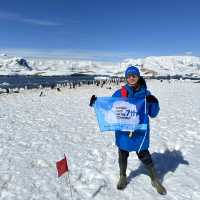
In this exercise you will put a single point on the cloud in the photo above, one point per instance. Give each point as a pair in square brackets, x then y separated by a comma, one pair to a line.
[188, 52]
[8, 16]
[19, 18]
[41, 22]
[69, 54]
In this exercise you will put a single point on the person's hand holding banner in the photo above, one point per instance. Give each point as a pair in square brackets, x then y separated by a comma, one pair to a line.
[92, 100]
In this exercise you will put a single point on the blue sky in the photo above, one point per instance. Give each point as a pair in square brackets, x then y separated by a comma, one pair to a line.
[100, 29]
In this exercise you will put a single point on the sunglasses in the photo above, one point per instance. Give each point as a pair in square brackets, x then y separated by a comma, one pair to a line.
[132, 76]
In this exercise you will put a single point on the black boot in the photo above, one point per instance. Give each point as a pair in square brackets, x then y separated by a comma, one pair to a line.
[122, 182]
[123, 156]
[155, 180]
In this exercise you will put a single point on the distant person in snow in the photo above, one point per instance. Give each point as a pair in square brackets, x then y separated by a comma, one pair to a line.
[41, 94]
[7, 90]
[131, 141]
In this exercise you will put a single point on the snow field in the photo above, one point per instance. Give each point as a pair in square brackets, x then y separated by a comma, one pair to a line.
[36, 131]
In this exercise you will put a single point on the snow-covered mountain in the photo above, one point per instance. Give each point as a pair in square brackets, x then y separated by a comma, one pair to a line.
[46, 66]
[167, 65]
[162, 65]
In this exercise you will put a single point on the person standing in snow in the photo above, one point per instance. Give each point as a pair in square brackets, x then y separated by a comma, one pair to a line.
[132, 141]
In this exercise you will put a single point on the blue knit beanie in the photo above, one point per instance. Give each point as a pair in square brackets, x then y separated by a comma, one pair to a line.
[132, 70]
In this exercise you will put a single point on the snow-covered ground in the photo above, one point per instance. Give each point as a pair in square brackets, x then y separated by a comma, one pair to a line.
[36, 131]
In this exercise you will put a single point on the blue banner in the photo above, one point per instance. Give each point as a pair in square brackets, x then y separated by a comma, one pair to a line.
[123, 114]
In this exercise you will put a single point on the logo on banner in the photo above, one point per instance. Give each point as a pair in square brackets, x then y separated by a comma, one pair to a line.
[122, 112]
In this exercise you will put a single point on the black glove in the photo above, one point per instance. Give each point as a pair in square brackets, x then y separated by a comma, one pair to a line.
[151, 99]
[92, 100]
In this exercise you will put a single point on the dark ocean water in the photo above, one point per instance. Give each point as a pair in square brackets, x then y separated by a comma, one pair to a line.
[21, 81]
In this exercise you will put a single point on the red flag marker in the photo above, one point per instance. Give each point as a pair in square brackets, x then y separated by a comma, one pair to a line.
[62, 166]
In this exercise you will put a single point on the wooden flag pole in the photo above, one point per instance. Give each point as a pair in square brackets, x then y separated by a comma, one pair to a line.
[69, 183]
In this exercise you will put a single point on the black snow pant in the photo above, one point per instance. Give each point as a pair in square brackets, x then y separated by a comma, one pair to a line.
[144, 156]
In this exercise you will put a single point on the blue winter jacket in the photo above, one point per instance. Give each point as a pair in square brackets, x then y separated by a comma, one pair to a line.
[123, 141]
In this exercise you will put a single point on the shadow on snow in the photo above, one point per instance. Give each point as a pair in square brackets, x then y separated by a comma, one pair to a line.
[164, 163]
